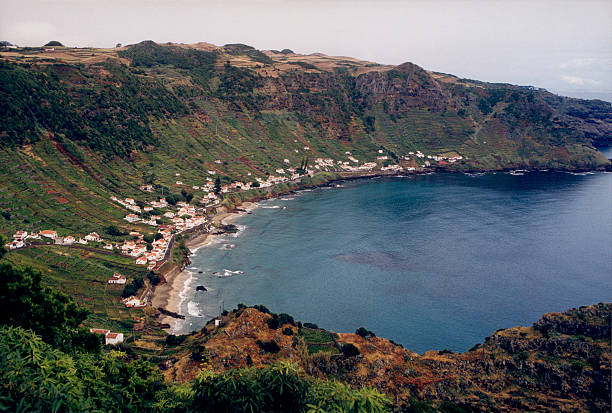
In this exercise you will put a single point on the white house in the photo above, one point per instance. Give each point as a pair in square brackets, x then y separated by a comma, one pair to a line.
[138, 251]
[133, 302]
[141, 261]
[117, 279]
[131, 218]
[93, 237]
[108, 247]
[113, 338]
[49, 233]
[34, 235]
[16, 244]
[110, 338]
[20, 235]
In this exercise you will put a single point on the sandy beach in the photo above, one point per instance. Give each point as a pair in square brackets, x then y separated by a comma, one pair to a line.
[172, 294]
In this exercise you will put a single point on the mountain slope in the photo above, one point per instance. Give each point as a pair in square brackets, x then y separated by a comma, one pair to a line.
[83, 125]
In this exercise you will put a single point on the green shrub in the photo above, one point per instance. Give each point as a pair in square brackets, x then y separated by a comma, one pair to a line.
[154, 279]
[268, 346]
[51, 314]
[262, 308]
[350, 350]
[132, 287]
[361, 331]
[173, 340]
[272, 323]
[114, 231]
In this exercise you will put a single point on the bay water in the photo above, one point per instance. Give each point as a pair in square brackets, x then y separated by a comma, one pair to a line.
[431, 261]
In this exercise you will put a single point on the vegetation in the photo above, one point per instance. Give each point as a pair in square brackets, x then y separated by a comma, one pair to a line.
[51, 314]
[53, 43]
[281, 388]
[75, 133]
[132, 287]
[116, 121]
[361, 331]
[49, 363]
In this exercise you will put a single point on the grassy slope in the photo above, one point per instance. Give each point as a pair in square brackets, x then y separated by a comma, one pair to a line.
[55, 184]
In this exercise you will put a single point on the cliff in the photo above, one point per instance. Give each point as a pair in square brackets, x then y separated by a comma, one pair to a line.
[559, 364]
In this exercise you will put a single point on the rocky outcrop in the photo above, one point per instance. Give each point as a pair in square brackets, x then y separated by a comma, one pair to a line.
[560, 364]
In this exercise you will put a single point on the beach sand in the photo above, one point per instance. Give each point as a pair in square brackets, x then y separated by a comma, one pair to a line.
[168, 296]
[172, 294]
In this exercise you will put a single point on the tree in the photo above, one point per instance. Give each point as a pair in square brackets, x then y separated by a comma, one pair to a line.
[2, 247]
[350, 350]
[218, 185]
[363, 332]
[113, 230]
[49, 313]
[132, 287]
[54, 43]
[153, 278]
[171, 199]
[35, 377]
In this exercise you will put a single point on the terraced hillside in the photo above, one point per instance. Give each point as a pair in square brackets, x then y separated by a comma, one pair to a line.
[81, 126]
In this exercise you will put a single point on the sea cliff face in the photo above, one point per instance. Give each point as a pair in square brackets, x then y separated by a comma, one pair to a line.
[559, 364]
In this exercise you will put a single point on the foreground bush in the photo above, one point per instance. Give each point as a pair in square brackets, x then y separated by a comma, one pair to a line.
[282, 387]
[34, 376]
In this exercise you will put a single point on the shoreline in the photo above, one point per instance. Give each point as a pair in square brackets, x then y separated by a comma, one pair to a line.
[173, 293]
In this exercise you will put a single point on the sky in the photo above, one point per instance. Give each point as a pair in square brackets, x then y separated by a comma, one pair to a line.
[564, 46]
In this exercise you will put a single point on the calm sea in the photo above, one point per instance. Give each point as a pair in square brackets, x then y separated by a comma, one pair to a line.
[432, 262]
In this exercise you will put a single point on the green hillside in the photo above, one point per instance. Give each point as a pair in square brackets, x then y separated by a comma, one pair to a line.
[81, 126]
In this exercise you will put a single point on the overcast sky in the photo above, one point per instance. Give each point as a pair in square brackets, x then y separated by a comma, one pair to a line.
[563, 46]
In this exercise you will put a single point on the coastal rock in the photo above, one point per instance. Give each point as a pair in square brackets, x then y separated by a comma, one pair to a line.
[201, 288]
[170, 313]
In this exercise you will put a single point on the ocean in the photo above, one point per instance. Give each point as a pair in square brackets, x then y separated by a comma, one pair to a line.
[432, 262]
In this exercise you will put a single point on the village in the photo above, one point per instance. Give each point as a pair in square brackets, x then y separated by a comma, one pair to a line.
[183, 216]
[169, 220]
